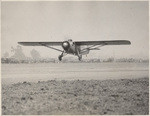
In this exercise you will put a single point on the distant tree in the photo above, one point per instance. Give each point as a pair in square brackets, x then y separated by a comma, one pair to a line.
[110, 59]
[35, 54]
[18, 53]
[6, 55]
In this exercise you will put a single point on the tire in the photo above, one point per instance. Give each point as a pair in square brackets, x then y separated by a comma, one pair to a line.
[80, 58]
[60, 58]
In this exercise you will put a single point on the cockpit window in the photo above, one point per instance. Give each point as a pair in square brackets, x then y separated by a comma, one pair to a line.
[69, 39]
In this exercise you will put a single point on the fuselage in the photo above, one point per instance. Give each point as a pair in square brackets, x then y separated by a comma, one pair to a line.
[71, 48]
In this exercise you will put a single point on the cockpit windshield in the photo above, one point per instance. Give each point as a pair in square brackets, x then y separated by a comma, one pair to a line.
[70, 40]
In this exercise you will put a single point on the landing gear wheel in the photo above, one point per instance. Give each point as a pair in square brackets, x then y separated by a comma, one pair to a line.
[80, 58]
[60, 57]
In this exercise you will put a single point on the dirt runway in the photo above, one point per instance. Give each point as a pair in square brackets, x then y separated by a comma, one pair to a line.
[14, 73]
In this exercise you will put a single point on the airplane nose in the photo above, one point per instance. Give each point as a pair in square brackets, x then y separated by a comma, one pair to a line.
[65, 45]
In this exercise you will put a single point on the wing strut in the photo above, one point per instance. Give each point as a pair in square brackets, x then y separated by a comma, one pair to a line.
[51, 47]
[93, 47]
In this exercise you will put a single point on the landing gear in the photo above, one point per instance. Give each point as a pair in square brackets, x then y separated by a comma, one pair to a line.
[80, 57]
[60, 56]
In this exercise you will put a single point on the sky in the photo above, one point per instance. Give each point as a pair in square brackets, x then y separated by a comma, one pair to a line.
[79, 21]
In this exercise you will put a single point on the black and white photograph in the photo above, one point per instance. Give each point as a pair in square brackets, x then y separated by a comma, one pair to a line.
[74, 57]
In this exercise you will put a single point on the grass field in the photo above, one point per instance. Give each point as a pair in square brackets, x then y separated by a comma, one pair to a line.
[77, 97]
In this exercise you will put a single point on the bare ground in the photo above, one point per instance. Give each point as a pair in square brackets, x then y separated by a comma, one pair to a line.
[77, 97]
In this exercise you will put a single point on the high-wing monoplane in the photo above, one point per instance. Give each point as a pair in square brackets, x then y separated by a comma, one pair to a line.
[77, 48]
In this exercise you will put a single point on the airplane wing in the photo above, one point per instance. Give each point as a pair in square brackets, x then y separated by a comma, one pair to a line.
[46, 44]
[110, 42]
[40, 43]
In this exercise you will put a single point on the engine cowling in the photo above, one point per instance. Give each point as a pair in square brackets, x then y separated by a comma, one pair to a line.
[65, 45]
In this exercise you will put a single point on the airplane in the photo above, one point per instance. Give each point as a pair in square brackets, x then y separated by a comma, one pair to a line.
[77, 48]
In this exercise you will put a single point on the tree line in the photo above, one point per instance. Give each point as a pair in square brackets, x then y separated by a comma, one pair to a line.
[19, 57]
